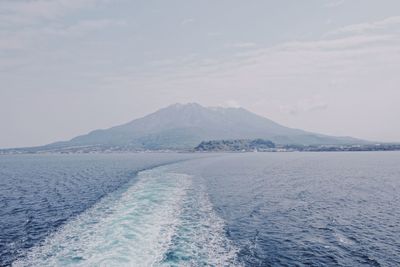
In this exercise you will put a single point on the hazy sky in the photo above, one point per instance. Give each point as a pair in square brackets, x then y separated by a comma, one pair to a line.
[71, 66]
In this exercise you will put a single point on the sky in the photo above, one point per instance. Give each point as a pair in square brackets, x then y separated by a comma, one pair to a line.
[71, 66]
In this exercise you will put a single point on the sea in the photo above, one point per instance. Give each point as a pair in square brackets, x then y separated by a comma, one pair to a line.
[200, 209]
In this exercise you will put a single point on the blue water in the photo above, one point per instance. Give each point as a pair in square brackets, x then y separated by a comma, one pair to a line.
[39, 193]
[247, 209]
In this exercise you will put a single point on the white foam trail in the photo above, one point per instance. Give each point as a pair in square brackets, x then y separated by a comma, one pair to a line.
[160, 215]
[199, 238]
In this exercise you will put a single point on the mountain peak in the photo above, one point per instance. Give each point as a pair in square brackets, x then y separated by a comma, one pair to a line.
[184, 105]
[193, 105]
[186, 125]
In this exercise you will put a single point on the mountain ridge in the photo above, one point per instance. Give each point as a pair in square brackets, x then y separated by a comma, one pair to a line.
[184, 126]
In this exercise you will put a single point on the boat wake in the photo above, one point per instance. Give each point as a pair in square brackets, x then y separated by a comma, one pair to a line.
[165, 218]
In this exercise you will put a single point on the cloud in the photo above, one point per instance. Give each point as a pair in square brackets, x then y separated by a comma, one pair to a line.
[86, 26]
[242, 45]
[30, 11]
[368, 26]
[74, 29]
[334, 3]
[10, 43]
[22, 48]
[340, 43]
[283, 63]
[214, 34]
[187, 21]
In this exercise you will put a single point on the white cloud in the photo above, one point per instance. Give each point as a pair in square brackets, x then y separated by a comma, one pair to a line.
[334, 3]
[29, 11]
[369, 26]
[10, 43]
[86, 26]
[242, 45]
[29, 38]
[340, 43]
[292, 60]
[187, 21]
[214, 34]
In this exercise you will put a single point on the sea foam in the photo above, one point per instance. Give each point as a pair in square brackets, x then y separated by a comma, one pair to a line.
[160, 220]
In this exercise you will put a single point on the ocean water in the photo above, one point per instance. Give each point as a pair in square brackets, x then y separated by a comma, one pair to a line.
[40, 193]
[245, 209]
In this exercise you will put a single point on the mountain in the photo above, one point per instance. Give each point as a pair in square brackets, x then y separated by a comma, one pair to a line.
[183, 126]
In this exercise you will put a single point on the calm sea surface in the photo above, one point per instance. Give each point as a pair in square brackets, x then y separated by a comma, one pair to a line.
[245, 209]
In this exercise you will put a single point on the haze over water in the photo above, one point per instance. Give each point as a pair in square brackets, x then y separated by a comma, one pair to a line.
[246, 209]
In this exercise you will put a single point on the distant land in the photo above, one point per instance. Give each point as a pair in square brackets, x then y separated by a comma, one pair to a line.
[184, 127]
[260, 145]
[243, 145]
